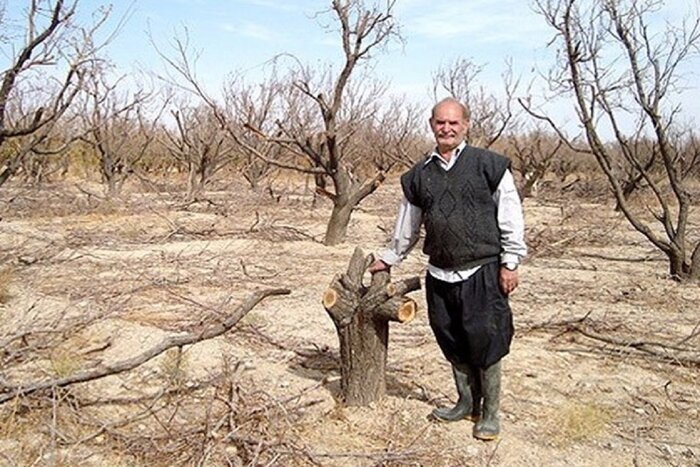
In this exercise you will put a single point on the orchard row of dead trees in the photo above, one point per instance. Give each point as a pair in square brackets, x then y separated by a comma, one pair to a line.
[340, 127]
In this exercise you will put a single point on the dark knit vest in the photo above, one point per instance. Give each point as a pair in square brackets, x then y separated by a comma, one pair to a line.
[460, 215]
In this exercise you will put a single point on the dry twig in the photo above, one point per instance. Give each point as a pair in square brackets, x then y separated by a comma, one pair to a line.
[669, 352]
[13, 391]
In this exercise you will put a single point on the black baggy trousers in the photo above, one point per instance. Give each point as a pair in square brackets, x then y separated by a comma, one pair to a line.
[471, 319]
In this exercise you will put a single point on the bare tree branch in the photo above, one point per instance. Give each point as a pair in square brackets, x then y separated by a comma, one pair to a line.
[12, 391]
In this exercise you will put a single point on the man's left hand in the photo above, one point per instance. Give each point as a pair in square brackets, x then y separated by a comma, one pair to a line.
[508, 280]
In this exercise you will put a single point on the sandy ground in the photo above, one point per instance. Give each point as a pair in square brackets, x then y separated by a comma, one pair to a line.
[140, 269]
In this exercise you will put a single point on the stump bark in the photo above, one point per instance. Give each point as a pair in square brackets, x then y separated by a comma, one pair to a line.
[361, 316]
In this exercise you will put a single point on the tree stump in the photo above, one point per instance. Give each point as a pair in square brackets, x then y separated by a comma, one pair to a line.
[361, 316]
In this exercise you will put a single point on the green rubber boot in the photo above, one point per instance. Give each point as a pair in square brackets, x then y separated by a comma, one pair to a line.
[469, 399]
[488, 426]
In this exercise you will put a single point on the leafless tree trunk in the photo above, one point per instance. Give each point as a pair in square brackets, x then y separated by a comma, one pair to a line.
[32, 99]
[620, 69]
[117, 128]
[321, 112]
[532, 154]
[199, 144]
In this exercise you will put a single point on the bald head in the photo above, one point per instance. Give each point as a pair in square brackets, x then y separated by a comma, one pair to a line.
[450, 102]
[449, 121]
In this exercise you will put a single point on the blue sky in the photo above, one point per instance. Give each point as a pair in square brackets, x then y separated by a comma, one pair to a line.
[242, 35]
[237, 35]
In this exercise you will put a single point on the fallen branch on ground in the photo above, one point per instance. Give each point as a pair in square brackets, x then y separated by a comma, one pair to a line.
[10, 392]
[667, 352]
[670, 352]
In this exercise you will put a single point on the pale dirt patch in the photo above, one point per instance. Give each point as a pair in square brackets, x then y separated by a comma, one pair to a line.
[155, 267]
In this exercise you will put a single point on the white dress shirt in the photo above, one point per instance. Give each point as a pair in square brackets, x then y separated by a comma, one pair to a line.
[510, 223]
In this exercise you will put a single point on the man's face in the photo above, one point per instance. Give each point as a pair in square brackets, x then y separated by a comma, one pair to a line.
[449, 126]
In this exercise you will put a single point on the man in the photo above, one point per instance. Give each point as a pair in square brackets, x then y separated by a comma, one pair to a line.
[467, 199]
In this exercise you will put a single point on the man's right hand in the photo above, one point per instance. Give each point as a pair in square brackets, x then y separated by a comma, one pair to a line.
[378, 265]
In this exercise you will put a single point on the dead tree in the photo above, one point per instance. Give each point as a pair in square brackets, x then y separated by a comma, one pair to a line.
[46, 72]
[255, 106]
[333, 104]
[116, 127]
[361, 316]
[620, 67]
[199, 144]
[363, 30]
[532, 154]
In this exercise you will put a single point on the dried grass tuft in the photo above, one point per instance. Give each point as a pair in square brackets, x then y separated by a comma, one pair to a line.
[65, 363]
[577, 422]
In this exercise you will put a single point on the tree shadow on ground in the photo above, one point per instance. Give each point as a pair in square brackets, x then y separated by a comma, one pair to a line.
[323, 363]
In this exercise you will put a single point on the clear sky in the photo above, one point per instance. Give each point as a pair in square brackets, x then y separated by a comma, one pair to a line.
[235, 35]
[242, 35]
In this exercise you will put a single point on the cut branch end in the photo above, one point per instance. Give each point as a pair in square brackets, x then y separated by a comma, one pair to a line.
[330, 298]
[407, 311]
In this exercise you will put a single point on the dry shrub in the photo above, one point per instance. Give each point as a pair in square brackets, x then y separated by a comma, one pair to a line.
[578, 421]
[223, 421]
[546, 241]
[582, 186]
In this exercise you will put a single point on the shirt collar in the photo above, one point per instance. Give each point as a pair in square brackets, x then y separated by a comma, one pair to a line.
[455, 153]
